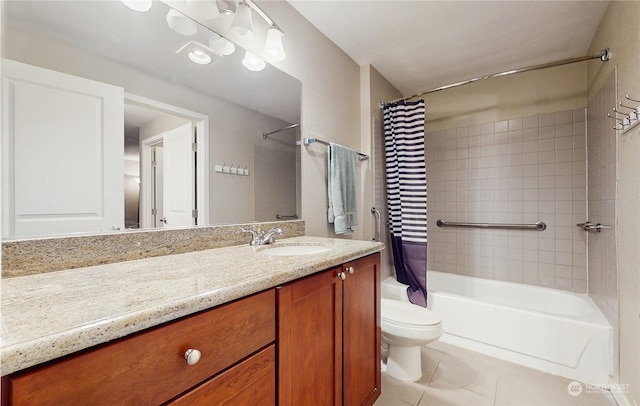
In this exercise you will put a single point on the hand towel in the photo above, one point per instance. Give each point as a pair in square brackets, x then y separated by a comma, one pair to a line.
[341, 174]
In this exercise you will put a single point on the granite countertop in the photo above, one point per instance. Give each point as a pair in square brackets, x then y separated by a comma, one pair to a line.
[53, 314]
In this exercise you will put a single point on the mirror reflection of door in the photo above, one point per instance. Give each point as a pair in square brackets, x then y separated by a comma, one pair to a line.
[157, 170]
[62, 153]
[178, 177]
[168, 169]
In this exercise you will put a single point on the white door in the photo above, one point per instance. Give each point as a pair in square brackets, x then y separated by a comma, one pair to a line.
[178, 201]
[62, 150]
[158, 184]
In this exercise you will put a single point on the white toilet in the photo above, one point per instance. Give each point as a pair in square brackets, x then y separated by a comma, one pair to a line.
[405, 328]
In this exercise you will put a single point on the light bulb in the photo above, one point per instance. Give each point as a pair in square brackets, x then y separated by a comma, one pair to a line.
[242, 26]
[252, 62]
[200, 57]
[138, 5]
[273, 50]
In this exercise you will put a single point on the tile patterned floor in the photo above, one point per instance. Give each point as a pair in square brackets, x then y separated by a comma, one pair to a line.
[453, 376]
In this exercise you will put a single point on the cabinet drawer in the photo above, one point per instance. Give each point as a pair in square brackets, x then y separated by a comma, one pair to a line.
[251, 383]
[149, 367]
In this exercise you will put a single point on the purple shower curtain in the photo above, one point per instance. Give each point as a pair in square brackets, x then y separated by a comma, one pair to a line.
[407, 195]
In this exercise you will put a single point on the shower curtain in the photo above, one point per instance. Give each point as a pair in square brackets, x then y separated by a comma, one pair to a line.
[407, 195]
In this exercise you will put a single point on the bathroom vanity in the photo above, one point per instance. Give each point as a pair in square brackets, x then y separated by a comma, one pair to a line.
[329, 336]
[150, 367]
[231, 325]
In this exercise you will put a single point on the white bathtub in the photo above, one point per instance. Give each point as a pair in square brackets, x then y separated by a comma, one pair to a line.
[559, 332]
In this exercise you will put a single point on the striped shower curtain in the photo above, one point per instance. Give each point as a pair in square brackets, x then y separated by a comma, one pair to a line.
[407, 195]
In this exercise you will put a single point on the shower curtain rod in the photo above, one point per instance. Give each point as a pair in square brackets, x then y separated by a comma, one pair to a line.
[603, 56]
[265, 135]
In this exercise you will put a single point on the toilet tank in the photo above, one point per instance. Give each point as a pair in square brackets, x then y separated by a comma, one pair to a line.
[392, 289]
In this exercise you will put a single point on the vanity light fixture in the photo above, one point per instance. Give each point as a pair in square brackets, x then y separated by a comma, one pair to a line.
[200, 57]
[138, 5]
[199, 53]
[242, 26]
[180, 23]
[220, 45]
[240, 30]
[273, 49]
[227, 7]
[253, 62]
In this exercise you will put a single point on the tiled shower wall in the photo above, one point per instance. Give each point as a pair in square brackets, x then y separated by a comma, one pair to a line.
[522, 170]
[275, 182]
[602, 247]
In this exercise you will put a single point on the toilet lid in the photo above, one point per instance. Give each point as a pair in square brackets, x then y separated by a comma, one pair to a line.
[407, 313]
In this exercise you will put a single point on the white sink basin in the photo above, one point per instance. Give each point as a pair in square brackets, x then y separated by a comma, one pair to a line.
[288, 250]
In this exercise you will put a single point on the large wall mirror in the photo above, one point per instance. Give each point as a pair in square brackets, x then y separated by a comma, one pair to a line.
[109, 125]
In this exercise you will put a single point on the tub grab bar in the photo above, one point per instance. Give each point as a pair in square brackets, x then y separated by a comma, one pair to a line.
[376, 215]
[538, 226]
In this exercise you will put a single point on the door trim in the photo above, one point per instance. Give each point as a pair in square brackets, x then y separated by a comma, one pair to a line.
[201, 123]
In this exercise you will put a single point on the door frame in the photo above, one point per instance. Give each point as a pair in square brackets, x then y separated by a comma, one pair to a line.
[201, 124]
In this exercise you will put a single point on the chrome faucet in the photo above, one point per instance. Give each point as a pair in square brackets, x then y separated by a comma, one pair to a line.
[260, 238]
[269, 236]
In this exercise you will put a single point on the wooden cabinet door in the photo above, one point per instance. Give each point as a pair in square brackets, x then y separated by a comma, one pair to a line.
[310, 340]
[250, 383]
[361, 331]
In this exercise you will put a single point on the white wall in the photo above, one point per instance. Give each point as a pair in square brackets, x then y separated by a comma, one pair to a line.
[160, 125]
[521, 95]
[330, 108]
[376, 89]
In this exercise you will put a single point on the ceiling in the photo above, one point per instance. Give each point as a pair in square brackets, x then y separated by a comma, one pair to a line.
[421, 45]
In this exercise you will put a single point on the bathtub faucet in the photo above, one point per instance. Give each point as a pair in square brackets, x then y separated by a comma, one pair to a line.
[261, 238]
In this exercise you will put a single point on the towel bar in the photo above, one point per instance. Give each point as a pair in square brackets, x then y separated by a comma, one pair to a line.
[307, 141]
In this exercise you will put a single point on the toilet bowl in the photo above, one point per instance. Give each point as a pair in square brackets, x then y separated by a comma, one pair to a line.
[405, 329]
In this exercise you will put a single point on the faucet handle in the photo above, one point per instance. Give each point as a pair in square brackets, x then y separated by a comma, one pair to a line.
[248, 230]
[255, 235]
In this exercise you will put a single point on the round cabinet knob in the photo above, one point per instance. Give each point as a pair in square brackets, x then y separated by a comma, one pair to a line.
[350, 270]
[342, 275]
[192, 356]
